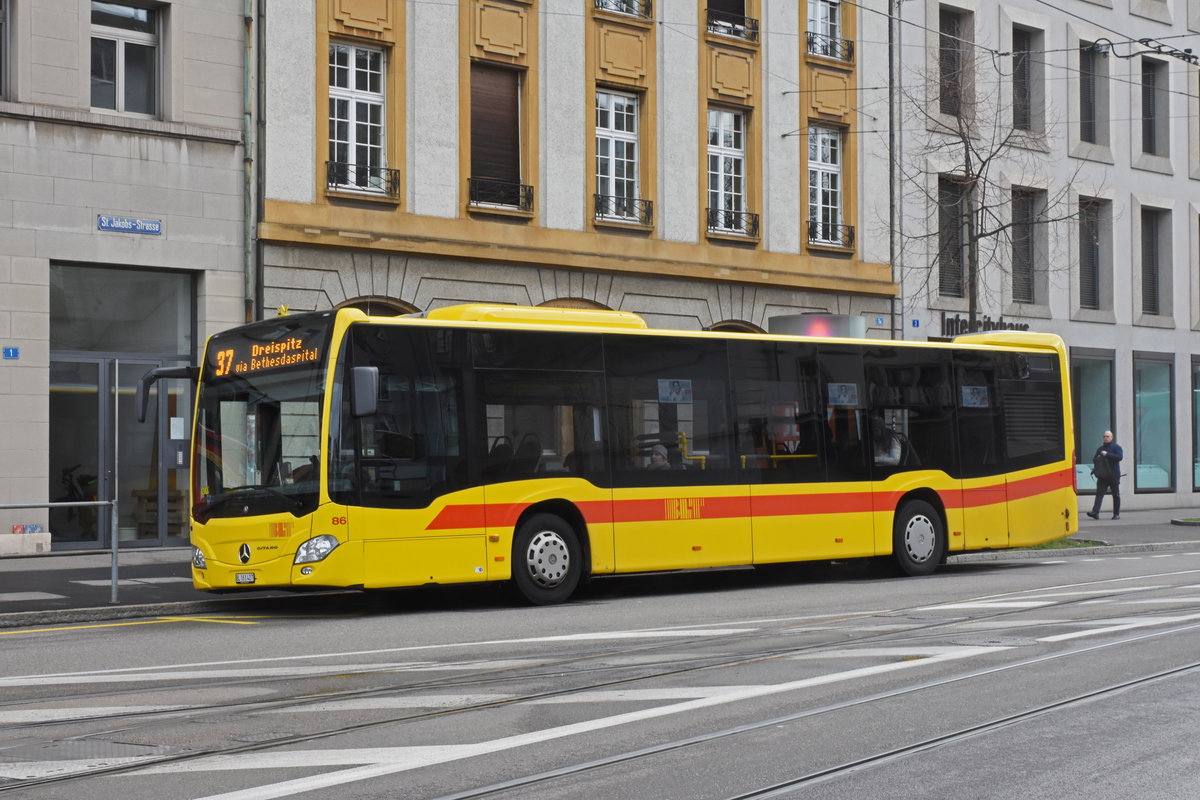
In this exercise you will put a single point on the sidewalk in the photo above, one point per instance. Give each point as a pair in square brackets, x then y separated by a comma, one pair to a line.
[57, 588]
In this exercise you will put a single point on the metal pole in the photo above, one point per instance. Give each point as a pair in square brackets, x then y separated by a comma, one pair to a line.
[114, 534]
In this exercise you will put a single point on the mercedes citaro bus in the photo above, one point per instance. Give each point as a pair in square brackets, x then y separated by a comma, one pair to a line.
[504, 443]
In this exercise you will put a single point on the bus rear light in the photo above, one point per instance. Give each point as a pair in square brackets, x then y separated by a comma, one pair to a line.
[316, 549]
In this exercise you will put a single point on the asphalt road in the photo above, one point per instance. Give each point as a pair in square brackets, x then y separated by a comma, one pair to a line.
[1052, 675]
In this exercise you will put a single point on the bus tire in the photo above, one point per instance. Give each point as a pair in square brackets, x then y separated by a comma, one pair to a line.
[918, 538]
[547, 559]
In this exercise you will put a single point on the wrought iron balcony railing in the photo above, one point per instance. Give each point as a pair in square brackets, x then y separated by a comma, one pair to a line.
[638, 8]
[342, 176]
[491, 192]
[830, 233]
[624, 209]
[830, 46]
[740, 223]
[732, 25]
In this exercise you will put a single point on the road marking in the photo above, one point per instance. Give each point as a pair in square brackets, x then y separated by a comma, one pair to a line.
[985, 604]
[164, 669]
[377, 762]
[84, 678]
[133, 581]
[155, 621]
[71, 714]
[20, 597]
[1117, 625]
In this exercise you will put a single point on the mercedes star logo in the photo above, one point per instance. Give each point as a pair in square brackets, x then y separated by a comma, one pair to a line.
[244, 553]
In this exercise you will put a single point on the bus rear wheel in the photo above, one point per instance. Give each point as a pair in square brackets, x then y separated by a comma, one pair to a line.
[918, 538]
[547, 561]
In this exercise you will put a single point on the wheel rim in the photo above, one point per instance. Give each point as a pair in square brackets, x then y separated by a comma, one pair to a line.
[920, 538]
[548, 559]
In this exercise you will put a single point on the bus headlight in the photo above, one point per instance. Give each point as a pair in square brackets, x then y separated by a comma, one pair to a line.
[198, 558]
[316, 549]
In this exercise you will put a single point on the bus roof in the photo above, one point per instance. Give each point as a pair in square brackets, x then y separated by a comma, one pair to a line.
[603, 319]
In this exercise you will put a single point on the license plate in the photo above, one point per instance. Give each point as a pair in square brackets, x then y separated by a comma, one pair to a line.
[244, 577]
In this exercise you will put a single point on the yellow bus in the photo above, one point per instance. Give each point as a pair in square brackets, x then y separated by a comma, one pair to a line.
[544, 446]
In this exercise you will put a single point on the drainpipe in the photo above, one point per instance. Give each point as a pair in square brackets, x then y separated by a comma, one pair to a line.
[248, 216]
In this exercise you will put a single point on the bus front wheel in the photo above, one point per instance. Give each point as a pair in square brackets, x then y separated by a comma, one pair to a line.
[546, 559]
[918, 538]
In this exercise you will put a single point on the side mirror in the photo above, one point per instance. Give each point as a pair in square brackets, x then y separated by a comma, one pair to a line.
[364, 398]
[143, 390]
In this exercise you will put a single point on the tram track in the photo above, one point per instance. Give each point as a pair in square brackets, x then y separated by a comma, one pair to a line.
[781, 788]
[146, 720]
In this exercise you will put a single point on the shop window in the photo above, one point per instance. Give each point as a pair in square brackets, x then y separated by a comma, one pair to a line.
[1153, 423]
[1092, 391]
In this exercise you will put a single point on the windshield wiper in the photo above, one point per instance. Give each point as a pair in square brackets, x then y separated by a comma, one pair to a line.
[247, 493]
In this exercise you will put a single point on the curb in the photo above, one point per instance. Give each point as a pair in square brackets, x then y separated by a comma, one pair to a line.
[1108, 549]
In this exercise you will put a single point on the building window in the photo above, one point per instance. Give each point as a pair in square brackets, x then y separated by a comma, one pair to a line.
[124, 58]
[1196, 423]
[1091, 390]
[639, 8]
[1027, 206]
[728, 17]
[357, 134]
[824, 36]
[617, 170]
[953, 65]
[496, 139]
[952, 221]
[1156, 268]
[825, 224]
[1155, 125]
[1153, 422]
[1093, 93]
[1027, 83]
[727, 173]
[1093, 247]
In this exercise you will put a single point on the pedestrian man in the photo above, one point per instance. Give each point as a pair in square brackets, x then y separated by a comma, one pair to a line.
[1106, 466]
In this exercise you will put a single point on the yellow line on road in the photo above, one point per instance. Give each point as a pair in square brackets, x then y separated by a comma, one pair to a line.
[158, 621]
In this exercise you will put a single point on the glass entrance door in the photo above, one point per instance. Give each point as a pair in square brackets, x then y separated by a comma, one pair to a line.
[149, 463]
[76, 457]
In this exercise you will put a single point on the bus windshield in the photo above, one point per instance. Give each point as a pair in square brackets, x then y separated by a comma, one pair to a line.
[258, 422]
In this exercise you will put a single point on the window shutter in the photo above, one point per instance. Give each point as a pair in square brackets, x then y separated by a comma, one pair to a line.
[950, 238]
[1087, 94]
[1150, 265]
[495, 123]
[1022, 84]
[1023, 246]
[1089, 254]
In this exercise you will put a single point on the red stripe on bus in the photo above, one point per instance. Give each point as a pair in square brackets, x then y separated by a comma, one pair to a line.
[784, 505]
[663, 509]
[466, 516]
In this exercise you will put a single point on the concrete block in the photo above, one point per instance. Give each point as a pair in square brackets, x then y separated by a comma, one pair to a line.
[24, 544]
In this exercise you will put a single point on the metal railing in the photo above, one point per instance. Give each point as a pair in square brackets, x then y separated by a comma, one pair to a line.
[638, 8]
[830, 233]
[830, 46]
[491, 192]
[741, 223]
[624, 209]
[345, 177]
[728, 24]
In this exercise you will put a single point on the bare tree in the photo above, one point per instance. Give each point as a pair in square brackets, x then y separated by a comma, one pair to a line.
[976, 116]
